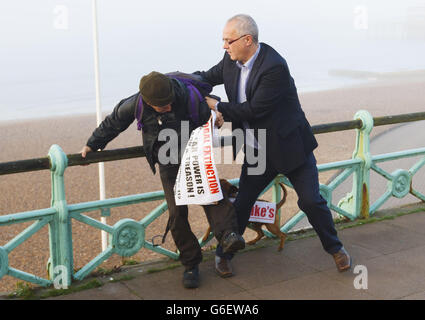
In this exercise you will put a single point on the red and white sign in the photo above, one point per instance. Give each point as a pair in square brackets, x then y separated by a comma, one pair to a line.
[197, 180]
[262, 211]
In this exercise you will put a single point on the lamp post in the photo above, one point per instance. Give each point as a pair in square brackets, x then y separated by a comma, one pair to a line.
[99, 117]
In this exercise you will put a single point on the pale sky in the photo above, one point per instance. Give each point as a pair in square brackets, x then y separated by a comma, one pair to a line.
[46, 46]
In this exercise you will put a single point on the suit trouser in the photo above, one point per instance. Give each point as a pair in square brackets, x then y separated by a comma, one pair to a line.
[221, 217]
[305, 181]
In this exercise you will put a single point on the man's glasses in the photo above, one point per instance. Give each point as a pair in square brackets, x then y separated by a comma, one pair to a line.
[229, 42]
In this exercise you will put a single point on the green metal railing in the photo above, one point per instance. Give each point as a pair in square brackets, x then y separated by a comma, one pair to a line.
[127, 236]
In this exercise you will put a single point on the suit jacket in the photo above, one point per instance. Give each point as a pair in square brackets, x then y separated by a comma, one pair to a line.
[272, 104]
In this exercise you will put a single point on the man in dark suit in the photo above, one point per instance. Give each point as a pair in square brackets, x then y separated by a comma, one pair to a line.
[262, 95]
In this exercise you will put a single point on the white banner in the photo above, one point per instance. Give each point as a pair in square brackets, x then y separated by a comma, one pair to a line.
[197, 180]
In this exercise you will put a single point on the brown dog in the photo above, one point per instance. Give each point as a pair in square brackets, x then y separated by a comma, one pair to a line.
[231, 191]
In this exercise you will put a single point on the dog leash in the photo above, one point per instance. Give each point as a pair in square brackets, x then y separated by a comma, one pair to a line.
[167, 228]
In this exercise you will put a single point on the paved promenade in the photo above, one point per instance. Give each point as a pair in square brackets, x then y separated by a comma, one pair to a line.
[388, 256]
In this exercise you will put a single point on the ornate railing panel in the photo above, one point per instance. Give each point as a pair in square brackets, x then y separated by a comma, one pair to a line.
[127, 236]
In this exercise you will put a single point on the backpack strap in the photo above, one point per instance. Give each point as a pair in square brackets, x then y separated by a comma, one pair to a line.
[139, 112]
[193, 106]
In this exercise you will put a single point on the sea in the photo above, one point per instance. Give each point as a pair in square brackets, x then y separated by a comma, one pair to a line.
[47, 47]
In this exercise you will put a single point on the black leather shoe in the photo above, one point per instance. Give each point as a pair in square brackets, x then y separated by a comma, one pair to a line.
[232, 243]
[223, 267]
[191, 278]
[342, 260]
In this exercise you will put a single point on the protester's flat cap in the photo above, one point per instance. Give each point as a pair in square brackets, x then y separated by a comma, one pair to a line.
[156, 89]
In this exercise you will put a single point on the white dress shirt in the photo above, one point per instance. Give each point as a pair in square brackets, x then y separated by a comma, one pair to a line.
[243, 79]
[245, 71]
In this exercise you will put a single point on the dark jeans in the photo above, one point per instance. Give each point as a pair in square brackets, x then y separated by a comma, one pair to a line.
[221, 217]
[305, 180]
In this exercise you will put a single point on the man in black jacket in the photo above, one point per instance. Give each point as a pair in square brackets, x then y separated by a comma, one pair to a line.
[166, 106]
[262, 95]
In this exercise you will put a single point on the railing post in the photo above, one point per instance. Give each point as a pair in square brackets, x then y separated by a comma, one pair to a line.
[357, 202]
[60, 264]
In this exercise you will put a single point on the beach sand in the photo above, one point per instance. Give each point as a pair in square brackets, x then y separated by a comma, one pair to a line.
[32, 139]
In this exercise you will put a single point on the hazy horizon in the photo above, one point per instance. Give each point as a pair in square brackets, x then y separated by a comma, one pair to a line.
[46, 54]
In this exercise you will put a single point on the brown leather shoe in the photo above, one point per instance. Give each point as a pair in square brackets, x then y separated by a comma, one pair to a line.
[342, 260]
[223, 267]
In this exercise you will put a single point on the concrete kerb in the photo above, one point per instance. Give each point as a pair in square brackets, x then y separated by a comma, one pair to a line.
[128, 272]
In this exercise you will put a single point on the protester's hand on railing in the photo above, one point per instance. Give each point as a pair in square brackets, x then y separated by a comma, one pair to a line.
[84, 151]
